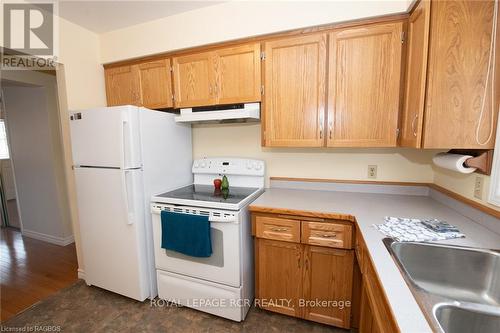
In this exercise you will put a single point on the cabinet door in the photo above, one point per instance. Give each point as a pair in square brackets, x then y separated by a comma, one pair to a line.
[294, 98]
[459, 51]
[328, 277]
[364, 86]
[156, 84]
[238, 74]
[366, 323]
[279, 276]
[122, 86]
[194, 80]
[416, 73]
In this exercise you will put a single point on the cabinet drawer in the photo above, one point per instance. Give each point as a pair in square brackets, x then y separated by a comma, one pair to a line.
[277, 228]
[327, 234]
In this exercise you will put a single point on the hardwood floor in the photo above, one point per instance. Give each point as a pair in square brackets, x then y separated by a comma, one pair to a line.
[31, 270]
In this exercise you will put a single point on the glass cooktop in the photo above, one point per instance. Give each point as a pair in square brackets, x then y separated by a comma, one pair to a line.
[208, 193]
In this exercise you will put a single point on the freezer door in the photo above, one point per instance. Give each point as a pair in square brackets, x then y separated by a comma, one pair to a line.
[106, 137]
[113, 238]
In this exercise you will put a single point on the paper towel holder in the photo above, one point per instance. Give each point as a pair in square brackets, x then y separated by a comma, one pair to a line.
[482, 160]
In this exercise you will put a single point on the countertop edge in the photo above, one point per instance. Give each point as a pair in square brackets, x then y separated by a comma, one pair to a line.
[272, 210]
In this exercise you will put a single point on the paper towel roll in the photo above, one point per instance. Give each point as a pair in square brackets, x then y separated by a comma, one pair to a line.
[453, 162]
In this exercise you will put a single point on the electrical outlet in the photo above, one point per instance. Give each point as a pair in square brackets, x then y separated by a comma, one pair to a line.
[478, 187]
[372, 171]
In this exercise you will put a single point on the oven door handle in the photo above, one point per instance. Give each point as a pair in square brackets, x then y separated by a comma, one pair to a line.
[211, 218]
[222, 219]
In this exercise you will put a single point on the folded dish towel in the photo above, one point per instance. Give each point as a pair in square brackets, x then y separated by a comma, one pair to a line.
[417, 230]
[185, 233]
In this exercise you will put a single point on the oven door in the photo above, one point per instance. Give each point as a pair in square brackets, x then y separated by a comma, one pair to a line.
[223, 266]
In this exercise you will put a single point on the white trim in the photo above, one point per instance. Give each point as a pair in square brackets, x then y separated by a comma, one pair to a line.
[62, 241]
[81, 274]
[494, 197]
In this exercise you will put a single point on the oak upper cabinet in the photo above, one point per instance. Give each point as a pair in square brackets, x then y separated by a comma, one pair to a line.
[223, 76]
[294, 91]
[194, 80]
[416, 74]
[279, 275]
[238, 74]
[156, 84]
[459, 51]
[328, 275]
[122, 86]
[147, 84]
[364, 85]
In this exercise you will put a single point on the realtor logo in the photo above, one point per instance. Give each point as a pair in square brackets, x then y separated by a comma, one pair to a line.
[29, 28]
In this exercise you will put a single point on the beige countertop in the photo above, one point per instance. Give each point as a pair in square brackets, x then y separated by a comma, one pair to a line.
[371, 208]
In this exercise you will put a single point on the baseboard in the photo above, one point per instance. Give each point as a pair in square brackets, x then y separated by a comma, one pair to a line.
[81, 274]
[62, 241]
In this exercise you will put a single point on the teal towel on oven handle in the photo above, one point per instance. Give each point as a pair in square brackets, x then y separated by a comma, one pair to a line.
[185, 233]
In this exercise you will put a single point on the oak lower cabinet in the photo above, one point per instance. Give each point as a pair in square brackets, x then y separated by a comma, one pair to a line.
[327, 278]
[375, 312]
[147, 84]
[279, 276]
[302, 280]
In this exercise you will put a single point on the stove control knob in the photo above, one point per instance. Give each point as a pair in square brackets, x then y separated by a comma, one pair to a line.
[196, 165]
[249, 165]
[203, 164]
[258, 166]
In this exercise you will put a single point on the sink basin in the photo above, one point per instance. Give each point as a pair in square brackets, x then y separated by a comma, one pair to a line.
[458, 273]
[456, 319]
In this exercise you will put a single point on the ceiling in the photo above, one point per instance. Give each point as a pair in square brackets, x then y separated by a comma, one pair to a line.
[104, 16]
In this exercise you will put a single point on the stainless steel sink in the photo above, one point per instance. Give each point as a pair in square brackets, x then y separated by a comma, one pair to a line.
[458, 319]
[459, 273]
[457, 288]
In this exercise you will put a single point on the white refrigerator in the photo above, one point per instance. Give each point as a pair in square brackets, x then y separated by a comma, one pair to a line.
[122, 156]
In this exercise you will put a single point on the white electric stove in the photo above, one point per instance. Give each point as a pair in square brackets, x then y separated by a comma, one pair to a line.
[222, 284]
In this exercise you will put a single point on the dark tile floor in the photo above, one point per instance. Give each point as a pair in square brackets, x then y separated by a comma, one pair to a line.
[80, 308]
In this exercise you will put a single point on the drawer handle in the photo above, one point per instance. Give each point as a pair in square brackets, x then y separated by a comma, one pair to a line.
[329, 235]
[279, 229]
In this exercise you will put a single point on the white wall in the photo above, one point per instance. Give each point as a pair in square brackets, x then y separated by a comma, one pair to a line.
[83, 77]
[36, 153]
[232, 20]
[463, 184]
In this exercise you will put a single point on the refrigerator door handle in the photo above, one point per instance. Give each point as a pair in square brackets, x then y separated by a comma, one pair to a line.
[128, 201]
[125, 143]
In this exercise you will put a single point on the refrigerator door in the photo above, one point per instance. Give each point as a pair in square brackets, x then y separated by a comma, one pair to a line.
[106, 137]
[112, 230]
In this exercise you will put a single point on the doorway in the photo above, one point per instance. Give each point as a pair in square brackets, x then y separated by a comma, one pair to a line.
[37, 245]
[8, 204]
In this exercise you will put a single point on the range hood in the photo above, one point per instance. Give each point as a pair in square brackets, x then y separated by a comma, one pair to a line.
[232, 113]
